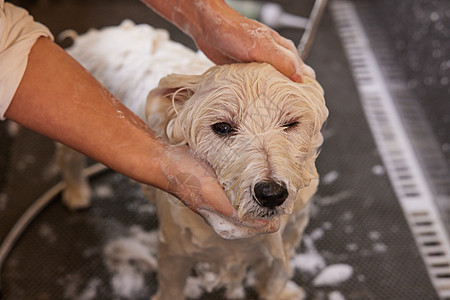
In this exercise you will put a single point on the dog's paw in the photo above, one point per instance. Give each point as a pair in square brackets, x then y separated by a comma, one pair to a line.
[164, 296]
[77, 198]
[157, 296]
[235, 292]
[292, 292]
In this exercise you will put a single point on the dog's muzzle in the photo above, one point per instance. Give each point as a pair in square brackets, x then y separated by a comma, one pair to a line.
[270, 194]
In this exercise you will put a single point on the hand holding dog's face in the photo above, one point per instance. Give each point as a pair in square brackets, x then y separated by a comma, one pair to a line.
[257, 129]
[194, 182]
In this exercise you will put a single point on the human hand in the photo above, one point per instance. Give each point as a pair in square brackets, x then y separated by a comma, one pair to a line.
[194, 182]
[225, 36]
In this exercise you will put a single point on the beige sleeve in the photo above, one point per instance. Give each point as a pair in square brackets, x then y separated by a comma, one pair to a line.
[18, 33]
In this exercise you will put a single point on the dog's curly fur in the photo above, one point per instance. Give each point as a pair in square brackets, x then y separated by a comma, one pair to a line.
[273, 135]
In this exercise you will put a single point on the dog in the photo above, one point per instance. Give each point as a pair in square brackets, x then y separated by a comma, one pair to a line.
[259, 131]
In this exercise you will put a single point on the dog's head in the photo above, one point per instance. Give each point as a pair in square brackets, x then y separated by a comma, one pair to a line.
[258, 130]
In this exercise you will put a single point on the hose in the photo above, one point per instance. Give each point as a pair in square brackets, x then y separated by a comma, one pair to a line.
[33, 211]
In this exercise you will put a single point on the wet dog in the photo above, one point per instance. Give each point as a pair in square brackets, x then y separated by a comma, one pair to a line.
[259, 131]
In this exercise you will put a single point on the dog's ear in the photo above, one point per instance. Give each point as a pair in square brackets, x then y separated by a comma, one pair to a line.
[167, 101]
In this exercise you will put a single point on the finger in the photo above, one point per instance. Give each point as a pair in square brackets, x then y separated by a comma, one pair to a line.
[262, 225]
[279, 52]
[287, 62]
[235, 229]
[217, 201]
[300, 68]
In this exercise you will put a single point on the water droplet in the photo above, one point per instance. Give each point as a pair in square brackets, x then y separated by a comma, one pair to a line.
[437, 53]
[378, 170]
[439, 26]
[428, 80]
[434, 16]
[400, 45]
[417, 36]
[120, 114]
[436, 43]
[412, 84]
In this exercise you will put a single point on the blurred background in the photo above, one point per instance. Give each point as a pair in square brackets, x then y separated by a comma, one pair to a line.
[380, 220]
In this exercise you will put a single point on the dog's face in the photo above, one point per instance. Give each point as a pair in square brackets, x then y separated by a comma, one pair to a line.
[258, 130]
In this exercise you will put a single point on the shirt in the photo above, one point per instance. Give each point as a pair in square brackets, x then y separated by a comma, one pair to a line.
[18, 33]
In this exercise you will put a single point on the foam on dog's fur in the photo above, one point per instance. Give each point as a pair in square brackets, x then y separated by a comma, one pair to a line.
[129, 60]
[276, 134]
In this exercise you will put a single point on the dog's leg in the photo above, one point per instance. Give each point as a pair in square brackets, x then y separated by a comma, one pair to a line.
[270, 279]
[235, 276]
[273, 277]
[77, 193]
[291, 236]
[172, 274]
[272, 272]
[273, 282]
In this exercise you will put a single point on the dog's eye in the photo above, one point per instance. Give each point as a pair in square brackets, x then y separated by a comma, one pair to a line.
[222, 128]
[290, 125]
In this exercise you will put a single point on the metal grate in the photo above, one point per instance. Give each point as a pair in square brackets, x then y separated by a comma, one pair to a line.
[377, 84]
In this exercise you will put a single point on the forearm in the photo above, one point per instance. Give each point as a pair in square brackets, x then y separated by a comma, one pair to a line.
[191, 16]
[61, 100]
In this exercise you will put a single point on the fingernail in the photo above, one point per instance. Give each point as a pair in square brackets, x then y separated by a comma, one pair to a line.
[297, 77]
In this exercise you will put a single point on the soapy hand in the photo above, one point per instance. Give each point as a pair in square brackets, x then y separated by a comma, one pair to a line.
[226, 37]
[194, 182]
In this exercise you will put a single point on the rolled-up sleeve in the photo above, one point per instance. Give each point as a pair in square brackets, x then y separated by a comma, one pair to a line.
[18, 33]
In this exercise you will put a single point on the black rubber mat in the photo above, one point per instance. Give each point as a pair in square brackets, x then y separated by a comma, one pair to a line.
[356, 222]
[421, 34]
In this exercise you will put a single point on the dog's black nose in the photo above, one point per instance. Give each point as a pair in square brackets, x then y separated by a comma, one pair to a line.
[270, 194]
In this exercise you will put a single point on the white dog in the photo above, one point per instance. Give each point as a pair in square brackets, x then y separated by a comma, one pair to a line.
[258, 130]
